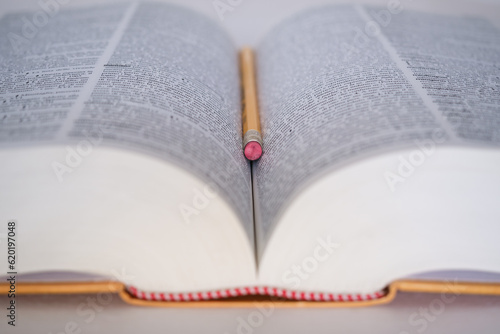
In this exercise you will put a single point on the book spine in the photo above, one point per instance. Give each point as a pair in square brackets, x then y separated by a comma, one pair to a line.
[256, 290]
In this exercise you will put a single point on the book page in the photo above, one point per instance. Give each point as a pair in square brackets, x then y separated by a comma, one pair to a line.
[341, 83]
[148, 77]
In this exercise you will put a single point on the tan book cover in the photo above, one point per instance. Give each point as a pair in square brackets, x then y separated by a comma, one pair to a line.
[438, 287]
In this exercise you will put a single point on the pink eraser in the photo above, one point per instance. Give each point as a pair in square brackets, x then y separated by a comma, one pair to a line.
[253, 150]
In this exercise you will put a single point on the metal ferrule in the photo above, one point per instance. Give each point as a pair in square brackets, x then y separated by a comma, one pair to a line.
[252, 135]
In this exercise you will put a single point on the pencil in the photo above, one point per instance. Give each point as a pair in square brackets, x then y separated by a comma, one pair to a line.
[252, 137]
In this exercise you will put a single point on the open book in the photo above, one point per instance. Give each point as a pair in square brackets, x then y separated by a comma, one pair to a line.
[121, 152]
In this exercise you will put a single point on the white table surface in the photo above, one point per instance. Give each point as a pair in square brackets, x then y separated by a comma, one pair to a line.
[409, 313]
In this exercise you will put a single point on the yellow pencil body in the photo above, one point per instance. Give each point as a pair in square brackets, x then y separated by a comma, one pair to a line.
[252, 137]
